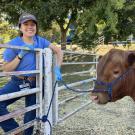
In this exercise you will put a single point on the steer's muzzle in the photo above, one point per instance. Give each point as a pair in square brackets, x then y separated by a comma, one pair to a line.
[100, 93]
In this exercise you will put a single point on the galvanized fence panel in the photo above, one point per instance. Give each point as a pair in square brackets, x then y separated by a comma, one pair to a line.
[42, 103]
[91, 71]
[37, 90]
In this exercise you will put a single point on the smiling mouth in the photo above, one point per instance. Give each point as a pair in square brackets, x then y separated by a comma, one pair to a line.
[30, 31]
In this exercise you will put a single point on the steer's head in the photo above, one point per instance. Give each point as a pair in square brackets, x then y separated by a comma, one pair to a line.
[111, 84]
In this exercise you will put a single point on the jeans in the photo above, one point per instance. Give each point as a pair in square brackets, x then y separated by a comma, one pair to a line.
[10, 87]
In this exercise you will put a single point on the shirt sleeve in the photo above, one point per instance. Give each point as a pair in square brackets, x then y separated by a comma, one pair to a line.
[9, 54]
[46, 43]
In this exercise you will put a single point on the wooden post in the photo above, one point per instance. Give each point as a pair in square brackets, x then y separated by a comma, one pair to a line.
[47, 88]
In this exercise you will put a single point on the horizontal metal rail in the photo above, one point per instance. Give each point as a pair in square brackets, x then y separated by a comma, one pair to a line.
[78, 63]
[16, 47]
[21, 128]
[79, 53]
[18, 112]
[73, 97]
[19, 94]
[19, 73]
[78, 73]
[72, 56]
[76, 110]
[76, 83]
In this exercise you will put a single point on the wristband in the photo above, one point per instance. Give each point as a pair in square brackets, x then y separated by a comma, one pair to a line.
[19, 57]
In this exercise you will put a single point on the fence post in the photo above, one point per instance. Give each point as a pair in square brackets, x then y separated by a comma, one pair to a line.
[47, 88]
[96, 60]
[55, 99]
[95, 68]
[39, 83]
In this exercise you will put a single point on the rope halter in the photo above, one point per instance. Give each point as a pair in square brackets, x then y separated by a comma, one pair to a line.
[108, 86]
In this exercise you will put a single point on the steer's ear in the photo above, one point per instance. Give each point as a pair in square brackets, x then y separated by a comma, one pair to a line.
[131, 59]
[100, 56]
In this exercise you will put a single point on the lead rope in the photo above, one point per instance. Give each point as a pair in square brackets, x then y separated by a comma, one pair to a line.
[45, 117]
[74, 90]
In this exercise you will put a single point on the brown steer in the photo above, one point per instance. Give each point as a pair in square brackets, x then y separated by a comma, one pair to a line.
[115, 76]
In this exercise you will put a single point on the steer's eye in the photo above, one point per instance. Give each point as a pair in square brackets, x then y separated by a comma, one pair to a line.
[116, 72]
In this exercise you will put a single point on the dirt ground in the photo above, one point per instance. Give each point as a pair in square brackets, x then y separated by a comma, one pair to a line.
[111, 119]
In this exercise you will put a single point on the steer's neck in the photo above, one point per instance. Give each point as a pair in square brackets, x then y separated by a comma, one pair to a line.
[130, 84]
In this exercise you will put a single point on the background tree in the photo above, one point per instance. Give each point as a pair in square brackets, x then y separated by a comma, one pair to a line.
[7, 32]
[93, 18]
[126, 20]
[100, 19]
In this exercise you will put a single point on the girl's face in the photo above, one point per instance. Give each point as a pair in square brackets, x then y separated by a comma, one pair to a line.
[28, 28]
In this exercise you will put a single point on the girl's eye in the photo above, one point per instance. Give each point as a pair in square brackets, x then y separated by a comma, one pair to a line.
[33, 24]
[27, 24]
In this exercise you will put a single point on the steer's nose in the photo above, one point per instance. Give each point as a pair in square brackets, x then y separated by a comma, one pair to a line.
[94, 97]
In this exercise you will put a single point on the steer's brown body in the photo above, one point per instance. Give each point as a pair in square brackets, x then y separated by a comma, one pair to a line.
[110, 67]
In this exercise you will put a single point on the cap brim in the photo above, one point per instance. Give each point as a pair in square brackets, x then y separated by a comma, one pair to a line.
[30, 19]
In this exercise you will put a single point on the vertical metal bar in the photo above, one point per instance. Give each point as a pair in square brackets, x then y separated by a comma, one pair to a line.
[55, 98]
[96, 60]
[93, 74]
[47, 88]
[39, 84]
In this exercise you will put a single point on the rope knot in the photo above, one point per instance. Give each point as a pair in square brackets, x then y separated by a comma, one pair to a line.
[44, 118]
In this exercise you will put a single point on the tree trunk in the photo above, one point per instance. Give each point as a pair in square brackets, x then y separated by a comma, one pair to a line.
[63, 39]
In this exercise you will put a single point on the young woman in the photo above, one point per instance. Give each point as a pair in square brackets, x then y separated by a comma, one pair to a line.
[16, 60]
